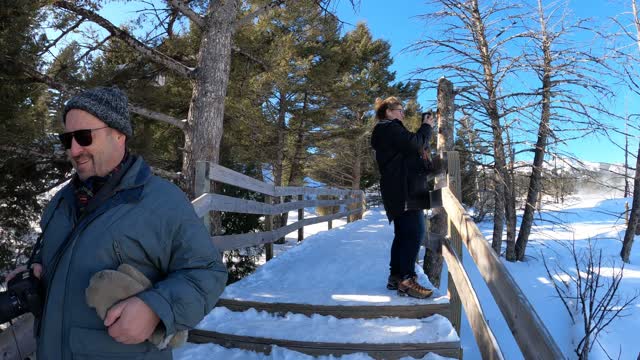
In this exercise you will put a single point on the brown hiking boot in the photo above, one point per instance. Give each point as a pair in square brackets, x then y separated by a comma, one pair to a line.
[411, 287]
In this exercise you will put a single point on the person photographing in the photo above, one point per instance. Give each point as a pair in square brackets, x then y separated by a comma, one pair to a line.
[399, 155]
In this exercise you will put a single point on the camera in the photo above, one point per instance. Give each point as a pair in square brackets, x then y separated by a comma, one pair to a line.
[429, 113]
[23, 295]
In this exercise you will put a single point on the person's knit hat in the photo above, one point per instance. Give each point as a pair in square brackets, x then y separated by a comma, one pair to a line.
[109, 104]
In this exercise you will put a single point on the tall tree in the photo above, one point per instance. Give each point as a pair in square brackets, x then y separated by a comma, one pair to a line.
[29, 162]
[343, 152]
[564, 68]
[472, 43]
[218, 21]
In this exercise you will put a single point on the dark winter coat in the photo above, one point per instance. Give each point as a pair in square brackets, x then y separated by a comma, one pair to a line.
[398, 157]
[148, 223]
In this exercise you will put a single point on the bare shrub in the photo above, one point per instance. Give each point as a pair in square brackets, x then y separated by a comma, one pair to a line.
[587, 294]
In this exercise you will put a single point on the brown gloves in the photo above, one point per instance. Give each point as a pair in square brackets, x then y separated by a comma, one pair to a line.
[108, 287]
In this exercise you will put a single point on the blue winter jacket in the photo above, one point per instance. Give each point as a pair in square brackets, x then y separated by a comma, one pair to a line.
[148, 223]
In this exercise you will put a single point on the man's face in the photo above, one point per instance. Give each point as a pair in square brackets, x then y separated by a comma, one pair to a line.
[105, 151]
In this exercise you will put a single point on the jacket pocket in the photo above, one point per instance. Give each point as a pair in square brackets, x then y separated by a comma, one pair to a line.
[95, 344]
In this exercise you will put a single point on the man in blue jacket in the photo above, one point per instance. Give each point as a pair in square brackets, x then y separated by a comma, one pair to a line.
[114, 212]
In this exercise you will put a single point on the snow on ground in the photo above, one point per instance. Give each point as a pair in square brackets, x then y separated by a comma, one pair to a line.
[329, 265]
[319, 328]
[211, 351]
[368, 240]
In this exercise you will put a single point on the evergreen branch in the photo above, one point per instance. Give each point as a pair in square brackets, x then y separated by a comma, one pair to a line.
[93, 48]
[64, 33]
[261, 10]
[27, 152]
[188, 12]
[150, 114]
[250, 57]
[152, 54]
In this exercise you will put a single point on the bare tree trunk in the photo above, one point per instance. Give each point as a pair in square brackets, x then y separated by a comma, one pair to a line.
[543, 134]
[503, 182]
[296, 176]
[634, 218]
[439, 222]
[510, 204]
[498, 213]
[278, 166]
[206, 111]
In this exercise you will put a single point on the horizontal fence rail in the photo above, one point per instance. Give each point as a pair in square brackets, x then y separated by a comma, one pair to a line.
[531, 335]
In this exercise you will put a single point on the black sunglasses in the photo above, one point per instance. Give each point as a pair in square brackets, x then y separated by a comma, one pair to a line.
[83, 137]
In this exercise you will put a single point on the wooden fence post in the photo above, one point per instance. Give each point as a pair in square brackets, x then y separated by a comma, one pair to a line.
[347, 197]
[268, 248]
[301, 217]
[203, 186]
[433, 247]
[455, 185]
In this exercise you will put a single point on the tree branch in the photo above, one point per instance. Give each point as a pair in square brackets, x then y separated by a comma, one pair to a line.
[149, 114]
[152, 54]
[261, 10]
[154, 115]
[262, 64]
[188, 12]
[64, 33]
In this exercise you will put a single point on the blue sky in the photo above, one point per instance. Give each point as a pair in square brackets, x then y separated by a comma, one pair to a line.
[398, 24]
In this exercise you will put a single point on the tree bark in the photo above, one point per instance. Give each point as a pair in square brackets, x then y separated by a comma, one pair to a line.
[206, 111]
[634, 217]
[503, 179]
[439, 222]
[543, 134]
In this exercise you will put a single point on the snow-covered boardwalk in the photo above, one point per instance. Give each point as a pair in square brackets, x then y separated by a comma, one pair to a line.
[342, 271]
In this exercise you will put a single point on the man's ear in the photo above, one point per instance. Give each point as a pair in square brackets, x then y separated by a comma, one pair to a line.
[120, 137]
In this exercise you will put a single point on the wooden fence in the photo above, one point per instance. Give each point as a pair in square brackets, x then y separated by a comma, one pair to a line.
[530, 334]
[351, 203]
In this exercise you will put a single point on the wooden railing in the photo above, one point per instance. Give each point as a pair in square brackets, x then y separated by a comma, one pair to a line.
[530, 334]
[351, 200]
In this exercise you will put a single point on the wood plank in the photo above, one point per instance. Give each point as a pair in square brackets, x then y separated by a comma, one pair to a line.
[340, 311]
[487, 343]
[454, 183]
[21, 332]
[532, 337]
[238, 241]
[211, 202]
[300, 190]
[222, 174]
[377, 351]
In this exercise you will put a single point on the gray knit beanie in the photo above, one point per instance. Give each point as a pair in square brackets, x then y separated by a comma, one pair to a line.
[109, 104]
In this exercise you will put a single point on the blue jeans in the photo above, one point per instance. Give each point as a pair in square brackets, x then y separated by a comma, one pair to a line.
[409, 234]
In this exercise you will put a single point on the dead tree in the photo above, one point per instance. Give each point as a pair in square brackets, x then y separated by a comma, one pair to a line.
[472, 45]
[633, 226]
[562, 67]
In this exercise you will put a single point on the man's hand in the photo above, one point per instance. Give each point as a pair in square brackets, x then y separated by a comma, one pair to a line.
[131, 321]
[37, 271]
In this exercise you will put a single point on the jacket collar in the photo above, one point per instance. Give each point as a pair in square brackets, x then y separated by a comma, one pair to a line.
[135, 178]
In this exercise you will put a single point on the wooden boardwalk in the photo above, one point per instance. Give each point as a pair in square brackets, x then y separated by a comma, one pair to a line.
[265, 291]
